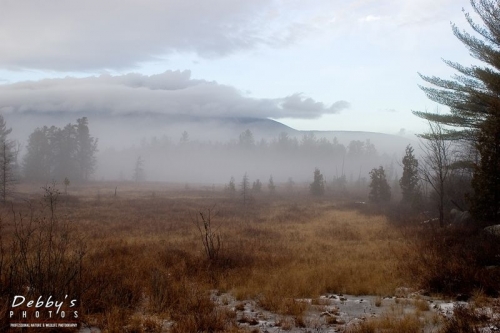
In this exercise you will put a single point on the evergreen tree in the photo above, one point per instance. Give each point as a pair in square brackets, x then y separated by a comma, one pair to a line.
[474, 100]
[257, 186]
[64, 147]
[4, 131]
[37, 161]
[317, 187]
[271, 186]
[485, 204]
[66, 184]
[245, 187]
[409, 182]
[7, 161]
[86, 147]
[184, 138]
[231, 187]
[380, 189]
[138, 175]
[55, 153]
[246, 140]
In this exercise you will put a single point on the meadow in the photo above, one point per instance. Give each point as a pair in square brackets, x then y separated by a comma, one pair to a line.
[151, 257]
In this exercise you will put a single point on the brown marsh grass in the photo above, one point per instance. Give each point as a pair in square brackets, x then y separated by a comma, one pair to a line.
[144, 254]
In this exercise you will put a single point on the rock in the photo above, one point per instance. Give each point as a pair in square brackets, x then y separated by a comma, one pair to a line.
[493, 230]
[459, 217]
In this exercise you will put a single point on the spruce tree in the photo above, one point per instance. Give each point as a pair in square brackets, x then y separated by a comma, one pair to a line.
[409, 182]
[245, 188]
[257, 186]
[38, 158]
[138, 175]
[271, 186]
[231, 187]
[317, 187]
[86, 147]
[380, 191]
[7, 161]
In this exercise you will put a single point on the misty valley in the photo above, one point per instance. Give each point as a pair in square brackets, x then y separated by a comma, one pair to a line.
[236, 166]
[190, 234]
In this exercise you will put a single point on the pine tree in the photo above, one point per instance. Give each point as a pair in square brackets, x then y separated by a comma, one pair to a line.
[55, 153]
[7, 162]
[486, 182]
[64, 145]
[231, 187]
[257, 186]
[380, 190]
[245, 188]
[271, 186]
[474, 100]
[138, 175]
[4, 131]
[37, 161]
[86, 147]
[184, 138]
[317, 187]
[409, 182]
[247, 140]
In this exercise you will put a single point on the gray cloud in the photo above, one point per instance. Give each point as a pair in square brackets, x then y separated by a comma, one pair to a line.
[298, 106]
[172, 92]
[90, 35]
[94, 34]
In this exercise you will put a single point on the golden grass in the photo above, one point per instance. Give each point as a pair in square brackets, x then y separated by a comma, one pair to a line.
[144, 253]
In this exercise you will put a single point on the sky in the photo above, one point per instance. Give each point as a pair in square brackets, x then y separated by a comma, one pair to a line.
[312, 65]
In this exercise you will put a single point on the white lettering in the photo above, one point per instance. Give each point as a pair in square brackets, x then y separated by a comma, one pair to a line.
[14, 301]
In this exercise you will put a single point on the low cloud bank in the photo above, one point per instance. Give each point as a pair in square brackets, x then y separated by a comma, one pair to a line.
[172, 92]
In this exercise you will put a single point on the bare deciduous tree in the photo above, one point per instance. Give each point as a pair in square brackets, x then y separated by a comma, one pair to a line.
[436, 162]
[210, 238]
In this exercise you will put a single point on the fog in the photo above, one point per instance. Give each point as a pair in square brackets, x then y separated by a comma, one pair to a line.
[196, 131]
[283, 156]
[210, 150]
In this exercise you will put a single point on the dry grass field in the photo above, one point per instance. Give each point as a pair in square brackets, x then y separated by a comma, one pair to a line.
[156, 253]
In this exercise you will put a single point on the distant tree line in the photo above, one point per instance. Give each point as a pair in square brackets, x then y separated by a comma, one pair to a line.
[54, 153]
[283, 156]
[283, 144]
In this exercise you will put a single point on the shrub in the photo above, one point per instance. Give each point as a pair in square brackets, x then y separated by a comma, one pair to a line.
[452, 260]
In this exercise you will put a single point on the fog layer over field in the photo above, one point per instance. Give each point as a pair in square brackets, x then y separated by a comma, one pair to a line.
[211, 150]
[188, 130]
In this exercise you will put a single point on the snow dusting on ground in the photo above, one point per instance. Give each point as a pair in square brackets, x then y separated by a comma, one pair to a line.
[338, 312]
